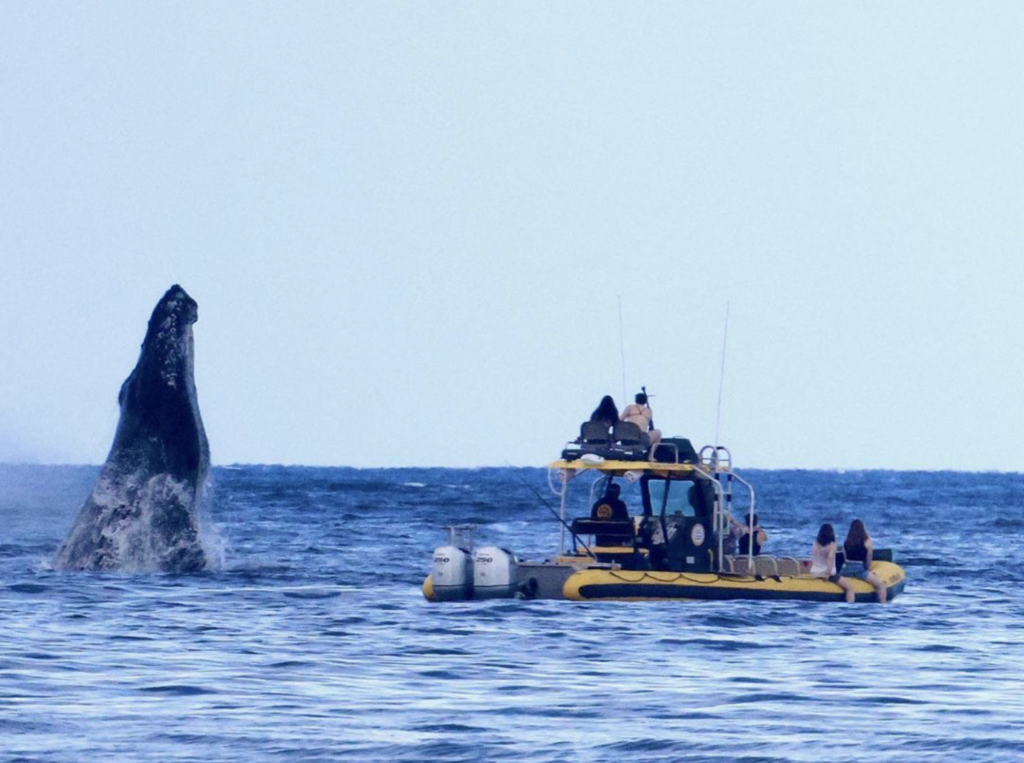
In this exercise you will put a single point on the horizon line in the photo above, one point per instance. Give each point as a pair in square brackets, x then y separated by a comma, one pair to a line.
[479, 467]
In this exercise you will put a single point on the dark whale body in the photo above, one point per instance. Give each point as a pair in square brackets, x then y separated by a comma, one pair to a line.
[142, 514]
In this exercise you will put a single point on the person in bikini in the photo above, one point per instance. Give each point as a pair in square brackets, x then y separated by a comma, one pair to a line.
[640, 413]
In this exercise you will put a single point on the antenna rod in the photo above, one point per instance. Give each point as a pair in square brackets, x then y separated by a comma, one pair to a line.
[721, 377]
[622, 350]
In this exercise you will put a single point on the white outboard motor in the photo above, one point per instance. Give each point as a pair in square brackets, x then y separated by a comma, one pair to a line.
[452, 574]
[494, 573]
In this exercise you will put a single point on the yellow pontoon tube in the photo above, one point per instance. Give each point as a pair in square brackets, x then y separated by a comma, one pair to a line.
[640, 585]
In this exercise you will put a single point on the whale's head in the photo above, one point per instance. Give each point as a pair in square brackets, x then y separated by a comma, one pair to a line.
[160, 427]
[168, 349]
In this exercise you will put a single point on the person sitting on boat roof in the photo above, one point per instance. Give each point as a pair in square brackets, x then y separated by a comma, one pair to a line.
[611, 508]
[606, 413]
[640, 413]
[752, 530]
[823, 560]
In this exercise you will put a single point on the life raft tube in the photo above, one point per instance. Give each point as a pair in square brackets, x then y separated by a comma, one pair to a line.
[594, 584]
[428, 589]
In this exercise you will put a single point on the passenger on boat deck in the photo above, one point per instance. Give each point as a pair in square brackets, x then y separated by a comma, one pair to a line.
[823, 560]
[859, 549]
[752, 530]
[610, 506]
[606, 412]
[732, 536]
[640, 413]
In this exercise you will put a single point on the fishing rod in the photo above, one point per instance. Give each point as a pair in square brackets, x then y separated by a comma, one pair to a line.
[721, 378]
[550, 508]
[650, 423]
[622, 349]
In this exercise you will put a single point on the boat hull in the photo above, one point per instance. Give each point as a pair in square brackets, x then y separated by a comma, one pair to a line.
[624, 585]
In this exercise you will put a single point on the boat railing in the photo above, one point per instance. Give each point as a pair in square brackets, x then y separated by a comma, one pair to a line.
[675, 452]
[711, 457]
[719, 515]
[559, 475]
[722, 525]
[716, 461]
[737, 565]
[789, 566]
[753, 507]
[764, 565]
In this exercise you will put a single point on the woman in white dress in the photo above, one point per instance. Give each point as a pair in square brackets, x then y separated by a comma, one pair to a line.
[823, 560]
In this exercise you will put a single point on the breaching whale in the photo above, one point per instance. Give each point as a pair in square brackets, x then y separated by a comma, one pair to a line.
[142, 514]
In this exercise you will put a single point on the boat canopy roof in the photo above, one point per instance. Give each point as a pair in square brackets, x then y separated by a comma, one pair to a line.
[609, 466]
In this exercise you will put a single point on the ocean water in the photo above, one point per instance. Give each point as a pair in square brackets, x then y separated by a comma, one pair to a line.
[312, 642]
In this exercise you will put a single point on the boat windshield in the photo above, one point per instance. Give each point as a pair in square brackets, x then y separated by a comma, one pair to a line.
[678, 497]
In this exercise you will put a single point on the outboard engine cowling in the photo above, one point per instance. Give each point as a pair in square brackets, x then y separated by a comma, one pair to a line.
[494, 573]
[452, 574]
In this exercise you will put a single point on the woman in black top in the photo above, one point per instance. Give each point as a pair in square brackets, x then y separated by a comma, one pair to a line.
[606, 413]
[859, 548]
[752, 530]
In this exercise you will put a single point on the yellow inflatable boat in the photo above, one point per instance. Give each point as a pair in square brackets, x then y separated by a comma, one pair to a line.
[677, 547]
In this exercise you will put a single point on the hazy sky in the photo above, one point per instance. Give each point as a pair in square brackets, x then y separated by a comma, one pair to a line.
[407, 225]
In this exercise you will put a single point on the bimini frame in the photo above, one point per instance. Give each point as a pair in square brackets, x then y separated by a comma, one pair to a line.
[715, 464]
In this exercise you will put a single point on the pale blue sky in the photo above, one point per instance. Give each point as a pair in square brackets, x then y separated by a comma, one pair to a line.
[406, 225]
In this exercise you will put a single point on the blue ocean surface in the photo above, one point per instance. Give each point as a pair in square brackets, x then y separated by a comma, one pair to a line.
[312, 641]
